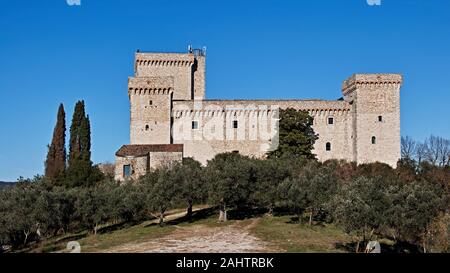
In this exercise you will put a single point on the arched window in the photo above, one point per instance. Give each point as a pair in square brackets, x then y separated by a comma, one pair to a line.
[146, 127]
[328, 146]
[374, 140]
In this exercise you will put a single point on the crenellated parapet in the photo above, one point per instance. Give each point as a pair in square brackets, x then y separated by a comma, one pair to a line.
[150, 85]
[372, 81]
[164, 60]
[215, 108]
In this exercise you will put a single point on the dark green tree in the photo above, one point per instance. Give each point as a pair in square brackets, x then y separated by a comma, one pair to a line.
[270, 174]
[55, 163]
[85, 139]
[296, 135]
[161, 190]
[81, 172]
[414, 207]
[75, 134]
[361, 206]
[188, 176]
[232, 178]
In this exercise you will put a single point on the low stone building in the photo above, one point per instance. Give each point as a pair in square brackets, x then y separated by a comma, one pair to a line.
[170, 115]
[133, 161]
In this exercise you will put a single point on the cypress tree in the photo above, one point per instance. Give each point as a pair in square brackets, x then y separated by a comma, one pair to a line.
[75, 145]
[81, 171]
[85, 139]
[55, 163]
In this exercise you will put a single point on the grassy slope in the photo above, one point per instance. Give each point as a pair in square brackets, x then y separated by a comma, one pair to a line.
[278, 231]
[293, 237]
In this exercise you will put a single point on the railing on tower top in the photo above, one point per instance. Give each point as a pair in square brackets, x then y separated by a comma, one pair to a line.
[197, 51]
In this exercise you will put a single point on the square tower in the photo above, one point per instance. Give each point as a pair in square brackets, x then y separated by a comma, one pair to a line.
[375, 109]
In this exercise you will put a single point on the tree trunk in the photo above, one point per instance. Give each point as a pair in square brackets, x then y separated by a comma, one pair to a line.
[26, 233]
[189, 210]
[424, 244]
[310, 217]
[95, 229]
[299, 215]
[357, 246]
[371, 234]
[223, 213]
[161, 218]
[270, 213]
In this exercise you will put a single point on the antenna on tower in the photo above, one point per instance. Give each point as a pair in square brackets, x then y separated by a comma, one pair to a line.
[204, 51]
[190, 49]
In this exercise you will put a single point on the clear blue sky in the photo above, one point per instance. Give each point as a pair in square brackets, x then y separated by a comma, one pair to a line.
[51, 52]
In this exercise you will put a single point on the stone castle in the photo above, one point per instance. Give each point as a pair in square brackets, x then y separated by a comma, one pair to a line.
[171, 118]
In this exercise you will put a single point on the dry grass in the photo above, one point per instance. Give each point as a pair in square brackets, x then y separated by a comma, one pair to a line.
[292, 237]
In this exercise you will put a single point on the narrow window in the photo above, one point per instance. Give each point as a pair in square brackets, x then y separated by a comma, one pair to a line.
[126, 170]
[374, 140]
[146, 127]
[194, 125]
[380, 118]
[235, 124]
[328, 146]
[330, 120]
[150, 102]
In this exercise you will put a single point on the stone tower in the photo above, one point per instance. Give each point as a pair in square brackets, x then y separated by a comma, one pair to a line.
[161, 78]
[375, 108]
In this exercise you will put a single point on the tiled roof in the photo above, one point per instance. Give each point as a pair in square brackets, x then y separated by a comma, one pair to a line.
[141, 150]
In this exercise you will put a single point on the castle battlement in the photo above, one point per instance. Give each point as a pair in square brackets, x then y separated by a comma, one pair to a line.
[375, 80]
[150, 85]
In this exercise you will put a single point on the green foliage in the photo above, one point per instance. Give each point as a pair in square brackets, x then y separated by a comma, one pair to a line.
[296, 135]
[81, 172]
[188, 176]
[161, 190]
[269, 175]
[361, 205]
[130, 202]
[231, 179]
[414, 207]
[75, 134]
[309, 190]
[55, 163]
[366, 200]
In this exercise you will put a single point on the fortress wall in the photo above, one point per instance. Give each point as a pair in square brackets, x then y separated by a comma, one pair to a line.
[253, 137]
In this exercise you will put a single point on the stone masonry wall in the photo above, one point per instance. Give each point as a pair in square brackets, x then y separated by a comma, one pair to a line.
[254, 134]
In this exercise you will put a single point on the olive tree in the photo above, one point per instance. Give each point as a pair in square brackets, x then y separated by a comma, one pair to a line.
[231, 179]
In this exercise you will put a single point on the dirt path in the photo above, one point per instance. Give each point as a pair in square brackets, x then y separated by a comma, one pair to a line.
[233, 238]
